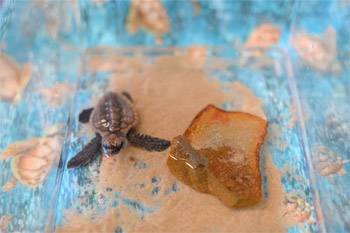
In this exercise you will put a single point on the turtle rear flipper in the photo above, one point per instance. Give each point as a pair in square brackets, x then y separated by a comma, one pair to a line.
[147, 142]
[84, 116]
[127, 95]
[87, 154]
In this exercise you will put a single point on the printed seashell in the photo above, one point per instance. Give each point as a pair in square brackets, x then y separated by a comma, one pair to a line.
[33, 159]
[13, 78]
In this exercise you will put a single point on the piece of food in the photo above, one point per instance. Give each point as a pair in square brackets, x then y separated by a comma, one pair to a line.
[187, 164]
[219, 154]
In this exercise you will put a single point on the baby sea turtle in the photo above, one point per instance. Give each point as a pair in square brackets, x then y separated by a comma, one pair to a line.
[114, 120]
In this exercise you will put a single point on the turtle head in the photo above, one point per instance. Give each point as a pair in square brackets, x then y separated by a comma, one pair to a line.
[112, 143]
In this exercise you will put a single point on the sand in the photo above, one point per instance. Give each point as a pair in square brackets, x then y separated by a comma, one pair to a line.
[168, 93]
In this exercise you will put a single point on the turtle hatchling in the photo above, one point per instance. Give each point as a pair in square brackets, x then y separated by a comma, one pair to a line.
[114, 120]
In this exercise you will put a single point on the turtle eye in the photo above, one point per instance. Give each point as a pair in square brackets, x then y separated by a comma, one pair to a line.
[118, 147]
[106, 147]
[107, 150]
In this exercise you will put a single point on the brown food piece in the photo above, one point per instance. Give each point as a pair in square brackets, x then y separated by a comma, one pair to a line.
[187, 164]
[219, 154]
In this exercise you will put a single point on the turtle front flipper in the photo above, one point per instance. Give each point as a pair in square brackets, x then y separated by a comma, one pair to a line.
[147, 142]
[87, 154]
[84, 116]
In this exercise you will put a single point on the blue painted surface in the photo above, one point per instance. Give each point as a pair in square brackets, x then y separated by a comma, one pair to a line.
[219, 24]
